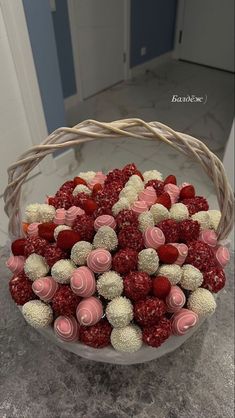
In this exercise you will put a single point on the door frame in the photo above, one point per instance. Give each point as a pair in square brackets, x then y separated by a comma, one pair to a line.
[178, 28]
[79, 97]
[19, 42]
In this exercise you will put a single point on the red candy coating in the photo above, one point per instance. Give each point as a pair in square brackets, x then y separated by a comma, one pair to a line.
[17, 246]
[214, 279]
[200, 255]
[64, 301]
[187, 192]
[196, 204]
[68, 186]
[96, 188]
[35, 245]
[165, 200]
[89, 206]
[84, 225]
[148, 311]
[171, 179]
[129, 170]
[157, 334]
[170, 229]
[189, 230]
[131, 237]
[53, 254]
[167, 253]
[127, 218]
[67, 238]
[115, 175]
[78, 180]
[137, 285]
[125, 261]
[61, 200]
[97, 336]
[46, 231]
[161, 287]
[79, 199]
[21, 289]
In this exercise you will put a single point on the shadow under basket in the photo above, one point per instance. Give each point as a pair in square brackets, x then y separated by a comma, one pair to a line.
[91, 130]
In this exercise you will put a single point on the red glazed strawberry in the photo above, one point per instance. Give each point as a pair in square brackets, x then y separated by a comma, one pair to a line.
[131, 237]
[21, 289]
[61, 200]
[64, 301]
[167, 253]
[78, 180]
[148, 311]
[17, 246]
[125, 261]
[170, 229]
[187, 192]
[165, 200]
[96, 188]
[97, 336]
[90, 206]
[214, 279]
[189, 230]
[137, 285]
[84, 225]
[114, 175]
[129, 170]
[171, 179]
[158, 185]
[46, 231]
[127, 218]
[35, 245]
[156, 335]
[67, 238]
[161, 287]
[79, 199]
[54, 254]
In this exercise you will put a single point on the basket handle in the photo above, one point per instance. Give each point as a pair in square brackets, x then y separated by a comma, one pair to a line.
[91, 130]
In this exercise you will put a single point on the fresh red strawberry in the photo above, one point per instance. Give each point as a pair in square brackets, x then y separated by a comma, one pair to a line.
[167, 253]
[164, 200]
[17, 247]
[79, 180]
[46, 231]
[161, 287]
[171, 179]
[96, 188]
[187, 192]
[90, 206]
[67, 238]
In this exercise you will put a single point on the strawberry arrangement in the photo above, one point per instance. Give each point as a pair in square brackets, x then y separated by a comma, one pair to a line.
[126, 259]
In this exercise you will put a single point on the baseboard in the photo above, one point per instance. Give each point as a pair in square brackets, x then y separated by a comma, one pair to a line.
[149, 65]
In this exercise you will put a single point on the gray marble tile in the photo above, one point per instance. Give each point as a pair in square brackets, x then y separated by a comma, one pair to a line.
[41, 380]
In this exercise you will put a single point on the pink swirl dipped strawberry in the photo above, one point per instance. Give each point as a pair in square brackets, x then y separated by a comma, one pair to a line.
[66, 328]
[15, 264]
[104, 220]
[139, 207]
[59, 218]
[71, 215]
[83, 282]
[45, 288]
[183, 321]
[222, 256]
[148, 195]
[173, 191]
[175, 300]
[183, 252]
[99, 260]
[209, 237]
[153, 237]
[89, 311]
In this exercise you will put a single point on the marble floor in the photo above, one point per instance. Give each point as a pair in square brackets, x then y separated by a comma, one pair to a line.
[149, 96]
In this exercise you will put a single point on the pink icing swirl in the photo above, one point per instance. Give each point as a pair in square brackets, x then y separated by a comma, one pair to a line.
[32, 229]
[148, 196]
[99, 178]
[183, 321]
[175, 300]
[183, 252]
[66, 328]
[153, 237]
[104, 220]
[45, 288]
[59, 218]
[71, 215]
[209, 237]
[15, 263]
[89, 311]
[99, 260]
[222, 256]
[173, 191]
[83, 282]
[139, 207]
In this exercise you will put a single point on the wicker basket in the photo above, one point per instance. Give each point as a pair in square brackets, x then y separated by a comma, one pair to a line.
[91, 130]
